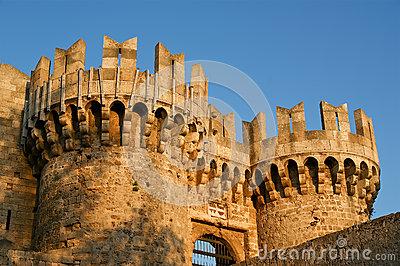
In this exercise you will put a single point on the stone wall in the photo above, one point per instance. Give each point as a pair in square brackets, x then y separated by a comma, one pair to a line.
[109, 205]
[18, 187]
[375, 242]
[291, 221]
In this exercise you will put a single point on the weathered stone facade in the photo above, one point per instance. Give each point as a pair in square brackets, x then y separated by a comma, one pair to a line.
[129, 167]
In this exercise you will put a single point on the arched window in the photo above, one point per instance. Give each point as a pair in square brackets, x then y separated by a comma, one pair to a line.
[225, 171]
[375, 180]
[201, 162]
[93, 119]
[276, 179]
[161, 116]
[225, 178]
[213, 167]
[57, 125]
[294, 174]
[259, 179]
[332, 166]
[349, 171]
[139, 118]
[117, 112]
[178, 119]
[311, 166]
[374, 172]
[247, 186]
[211, 250]
[363, 171]
[72, 115]
[236, 175]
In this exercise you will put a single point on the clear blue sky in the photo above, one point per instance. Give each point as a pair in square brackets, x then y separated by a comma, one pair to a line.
[338, 51]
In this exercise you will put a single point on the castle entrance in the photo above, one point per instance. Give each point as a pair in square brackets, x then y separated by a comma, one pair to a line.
[211, 250]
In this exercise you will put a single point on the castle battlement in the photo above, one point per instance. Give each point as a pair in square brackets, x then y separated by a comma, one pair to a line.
[117, 104]
[115, 147]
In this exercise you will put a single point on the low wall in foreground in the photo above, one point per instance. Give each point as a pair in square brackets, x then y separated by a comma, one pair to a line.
[376, 242]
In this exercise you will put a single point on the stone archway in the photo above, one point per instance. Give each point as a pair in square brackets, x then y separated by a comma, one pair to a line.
[212, 250]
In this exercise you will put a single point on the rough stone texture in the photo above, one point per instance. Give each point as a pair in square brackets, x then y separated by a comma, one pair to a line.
[134, 167]
[379, 239]
[18, 187]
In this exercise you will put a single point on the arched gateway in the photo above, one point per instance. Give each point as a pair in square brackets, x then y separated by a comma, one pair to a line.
[213, 251]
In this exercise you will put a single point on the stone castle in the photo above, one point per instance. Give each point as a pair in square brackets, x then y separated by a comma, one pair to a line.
[92, 159]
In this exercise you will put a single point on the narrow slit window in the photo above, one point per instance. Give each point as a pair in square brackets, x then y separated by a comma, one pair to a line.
[173, 68]
[370, 135]
[119, 56]
[223, 128]
[337, 120]
[8, 223]
[291, 123]
[66, 63]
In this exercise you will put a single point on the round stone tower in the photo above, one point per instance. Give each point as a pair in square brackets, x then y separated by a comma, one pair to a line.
[95, 145]
[314, 182]
[131, 167]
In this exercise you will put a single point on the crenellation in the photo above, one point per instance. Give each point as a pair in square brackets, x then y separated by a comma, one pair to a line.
[41, 72]
[334, 118]
[291, 122]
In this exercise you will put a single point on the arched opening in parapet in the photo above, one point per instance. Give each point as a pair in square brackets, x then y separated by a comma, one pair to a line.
[201, 163]
[225, 171]
[247, 186]
[39, 131]
[93, 120]
[161, 113]
[236, 175]
[293, 172]
[200, 166]
[374, 172]
[362, 177]
[375, 181]
[212, 250]
[192, 127]
[351, 180]
[332, 167]
[225, 179]
[140, 109]
[363, 170]
[53, 116]
[260, 190]
[162, 117]
[139, 118]
[72, 117]
[116, 122]
[311, 167]
[235, 184]
[276, 179]
[213, 168]
[179, 120]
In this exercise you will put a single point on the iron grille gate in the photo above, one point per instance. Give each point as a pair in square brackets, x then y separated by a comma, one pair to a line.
[210, 251]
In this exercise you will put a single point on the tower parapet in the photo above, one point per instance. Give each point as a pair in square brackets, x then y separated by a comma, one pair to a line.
[316, 181]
